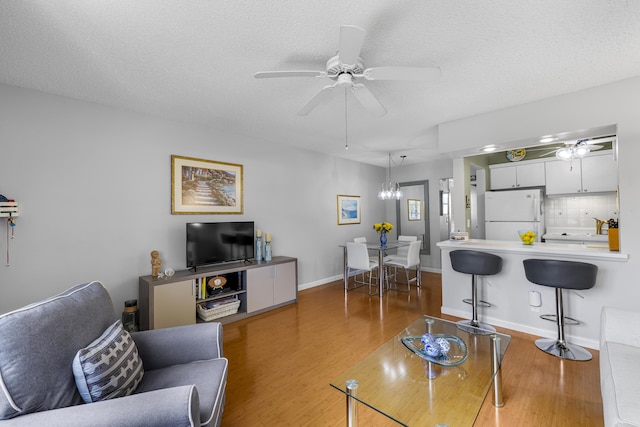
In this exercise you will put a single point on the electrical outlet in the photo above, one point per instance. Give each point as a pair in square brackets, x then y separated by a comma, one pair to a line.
[535, 309]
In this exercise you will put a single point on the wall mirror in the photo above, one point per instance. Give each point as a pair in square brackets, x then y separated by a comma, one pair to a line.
[412, 212]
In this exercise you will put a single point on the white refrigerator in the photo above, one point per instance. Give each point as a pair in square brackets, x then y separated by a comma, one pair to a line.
[507, 212]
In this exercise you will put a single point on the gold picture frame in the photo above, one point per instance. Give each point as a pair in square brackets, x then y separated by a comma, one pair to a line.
[348, 209]
[200, 186]
[414, 209]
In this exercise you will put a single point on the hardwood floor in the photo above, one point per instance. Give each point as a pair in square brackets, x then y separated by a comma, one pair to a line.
[281, 363]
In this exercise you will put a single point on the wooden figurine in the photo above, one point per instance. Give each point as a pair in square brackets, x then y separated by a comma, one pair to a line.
[156, 262]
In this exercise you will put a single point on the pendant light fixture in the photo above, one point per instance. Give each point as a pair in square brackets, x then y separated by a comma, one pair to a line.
[390, 190]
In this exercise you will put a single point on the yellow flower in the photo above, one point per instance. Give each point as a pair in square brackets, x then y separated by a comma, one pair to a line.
[386, 226]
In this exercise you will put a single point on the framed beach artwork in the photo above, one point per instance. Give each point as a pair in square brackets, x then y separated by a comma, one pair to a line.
[348, 209]
[414, 208]
[201, 186]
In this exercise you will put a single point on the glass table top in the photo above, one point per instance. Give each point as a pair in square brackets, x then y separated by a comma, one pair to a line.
[413, 391]
[391, 244]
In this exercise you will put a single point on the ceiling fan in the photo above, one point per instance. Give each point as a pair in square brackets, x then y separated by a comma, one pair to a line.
[568, 150]
[346, 67]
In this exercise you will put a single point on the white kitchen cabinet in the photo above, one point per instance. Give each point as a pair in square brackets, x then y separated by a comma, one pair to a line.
[521, 175]
[599, 173]
[592, 174]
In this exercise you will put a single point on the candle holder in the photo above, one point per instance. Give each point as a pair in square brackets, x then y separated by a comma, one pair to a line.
[259, 248]
[267, 251]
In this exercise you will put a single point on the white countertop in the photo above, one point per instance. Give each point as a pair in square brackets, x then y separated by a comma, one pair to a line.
[565, 250]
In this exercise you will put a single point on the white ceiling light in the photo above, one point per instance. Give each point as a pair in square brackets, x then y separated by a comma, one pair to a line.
[489, 148]
[390, 190]
[577, 150]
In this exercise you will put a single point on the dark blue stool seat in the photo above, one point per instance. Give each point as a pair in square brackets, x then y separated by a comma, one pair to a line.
[477, 264]
[561, 275]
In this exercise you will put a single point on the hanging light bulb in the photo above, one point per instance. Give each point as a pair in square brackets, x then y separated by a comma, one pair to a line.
[564, 153]
[390, 190]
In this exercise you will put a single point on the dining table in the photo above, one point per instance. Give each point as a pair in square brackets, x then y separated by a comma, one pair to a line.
[381, 251]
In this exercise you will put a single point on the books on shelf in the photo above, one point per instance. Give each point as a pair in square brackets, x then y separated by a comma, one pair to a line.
[221, 301]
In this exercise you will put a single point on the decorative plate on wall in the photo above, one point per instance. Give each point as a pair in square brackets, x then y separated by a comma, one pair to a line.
[516, 155]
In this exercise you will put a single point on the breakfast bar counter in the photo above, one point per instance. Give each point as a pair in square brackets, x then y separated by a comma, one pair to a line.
[508, 291]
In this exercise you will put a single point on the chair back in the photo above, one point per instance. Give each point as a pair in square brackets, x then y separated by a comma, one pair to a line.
[404, 250]
[39, 342]
[474, 262]
[358, 256]
[413, 256]
[561, 274]
[360, 239]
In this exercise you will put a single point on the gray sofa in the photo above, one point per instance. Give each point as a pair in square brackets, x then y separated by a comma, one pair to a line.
[619, 371]
[181, 380]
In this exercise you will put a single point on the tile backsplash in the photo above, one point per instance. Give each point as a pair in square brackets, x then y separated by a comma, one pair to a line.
[579, 211]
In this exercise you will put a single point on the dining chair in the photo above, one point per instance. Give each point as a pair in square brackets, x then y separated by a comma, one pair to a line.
[402, 251]
[410, 261]
[358, 260]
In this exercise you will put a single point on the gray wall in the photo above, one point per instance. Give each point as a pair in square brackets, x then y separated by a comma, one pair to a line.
[431, 171]
[94, 190]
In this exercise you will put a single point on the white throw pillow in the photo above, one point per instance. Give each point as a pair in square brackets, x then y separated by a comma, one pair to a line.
[109, 367]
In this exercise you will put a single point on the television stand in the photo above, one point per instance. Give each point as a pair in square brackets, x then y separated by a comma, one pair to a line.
[259, 286]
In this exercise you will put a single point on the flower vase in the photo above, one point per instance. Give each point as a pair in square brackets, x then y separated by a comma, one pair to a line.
[383, 238]
[267, 251]
[258, 248]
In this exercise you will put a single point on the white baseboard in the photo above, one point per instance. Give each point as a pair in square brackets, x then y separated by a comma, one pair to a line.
[320, 282]
[584, 342]
[326, 280]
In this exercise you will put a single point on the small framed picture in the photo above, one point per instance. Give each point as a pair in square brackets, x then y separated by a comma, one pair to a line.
[348, 209]
[200, 186]
[414, 208]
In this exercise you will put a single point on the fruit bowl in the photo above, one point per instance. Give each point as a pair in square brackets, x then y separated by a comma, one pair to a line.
[527, 237]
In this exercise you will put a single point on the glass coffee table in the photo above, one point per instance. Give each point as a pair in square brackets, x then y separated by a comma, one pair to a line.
[441, 386]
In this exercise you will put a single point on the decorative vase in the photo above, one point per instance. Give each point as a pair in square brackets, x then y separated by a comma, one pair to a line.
[258, 248]
[267, 251]
[383, 238]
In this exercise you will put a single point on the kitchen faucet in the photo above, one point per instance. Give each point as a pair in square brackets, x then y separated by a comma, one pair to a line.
[599, 224]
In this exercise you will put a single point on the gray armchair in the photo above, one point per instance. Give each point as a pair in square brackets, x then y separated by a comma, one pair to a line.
[182, 384]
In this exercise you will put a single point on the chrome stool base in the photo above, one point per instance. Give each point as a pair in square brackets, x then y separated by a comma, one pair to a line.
[480, 302]
[554, 318]
[563, 350]
[478, 328]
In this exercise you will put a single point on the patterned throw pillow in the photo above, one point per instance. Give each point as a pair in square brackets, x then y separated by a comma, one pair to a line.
[109, 367]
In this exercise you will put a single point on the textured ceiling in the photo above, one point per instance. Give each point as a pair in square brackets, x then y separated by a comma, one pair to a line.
[194, 60]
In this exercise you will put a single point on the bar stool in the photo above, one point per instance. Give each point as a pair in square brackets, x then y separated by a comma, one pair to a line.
[477, 264]
[561, 275]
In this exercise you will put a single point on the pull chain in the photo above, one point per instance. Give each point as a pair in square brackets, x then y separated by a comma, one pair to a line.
[346, 133]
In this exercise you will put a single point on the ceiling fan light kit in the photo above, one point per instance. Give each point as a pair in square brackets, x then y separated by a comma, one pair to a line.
[578, 150]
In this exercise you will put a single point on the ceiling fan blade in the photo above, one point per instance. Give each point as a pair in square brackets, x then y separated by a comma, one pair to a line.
[595, 147]
[368, 101]
[403, 73]
[294, 73]
[317, 99]
[548, 153]
[351, 40]
[546, 147]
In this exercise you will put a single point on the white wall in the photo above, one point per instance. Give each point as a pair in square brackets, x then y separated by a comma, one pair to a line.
[613, 104]
[94, 190]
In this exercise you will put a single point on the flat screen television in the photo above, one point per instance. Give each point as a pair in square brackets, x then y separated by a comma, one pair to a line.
[218, 242]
